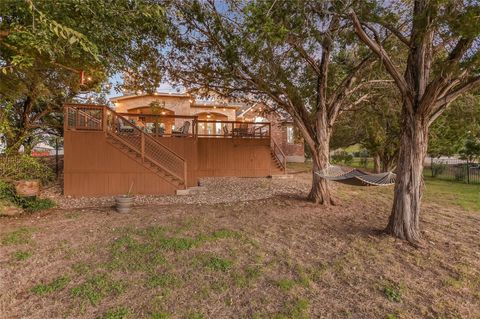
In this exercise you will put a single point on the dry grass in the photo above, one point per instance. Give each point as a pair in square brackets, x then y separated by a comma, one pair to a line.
[273, 258]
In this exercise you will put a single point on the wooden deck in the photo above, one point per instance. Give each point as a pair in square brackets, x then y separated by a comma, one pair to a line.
[104, 158]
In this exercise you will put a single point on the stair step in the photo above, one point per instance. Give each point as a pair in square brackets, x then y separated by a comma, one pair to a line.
[153, 167]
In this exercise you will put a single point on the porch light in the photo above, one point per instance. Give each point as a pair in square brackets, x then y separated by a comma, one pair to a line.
[209, 116]
[163, 113]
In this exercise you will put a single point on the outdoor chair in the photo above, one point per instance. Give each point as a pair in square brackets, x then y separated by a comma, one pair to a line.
[122, 127]
[225, 130]
[183, 131]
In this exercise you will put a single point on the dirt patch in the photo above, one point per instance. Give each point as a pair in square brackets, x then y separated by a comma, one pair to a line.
[275, 257]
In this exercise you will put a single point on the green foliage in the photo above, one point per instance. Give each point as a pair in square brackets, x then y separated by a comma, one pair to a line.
[438, 168]
[162, 280]
[34, 204]
[342, 156]
[461, 172]
[117, 313]
[285, 284]
[159, 315]
[144, 249]
[218, 264]
[47, 45]
[98, 287]
[29, 204]
[296, 309]
[14, 168]
[392, 291]
[56, 285]
[471, 149]
[247, 277]
[21, 255]
[194, 315]
[128, 253]
[449, 133]
[19, 236]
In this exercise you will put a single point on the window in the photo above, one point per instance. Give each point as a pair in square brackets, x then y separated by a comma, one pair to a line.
[259, 119]
[290, 137]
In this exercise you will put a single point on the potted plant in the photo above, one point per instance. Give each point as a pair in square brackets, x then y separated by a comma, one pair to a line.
[124, 203]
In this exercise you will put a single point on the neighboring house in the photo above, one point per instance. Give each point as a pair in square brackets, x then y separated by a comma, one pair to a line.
[164, 143]
[43, 149]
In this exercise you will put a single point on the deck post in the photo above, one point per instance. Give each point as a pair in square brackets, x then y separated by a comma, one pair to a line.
[142, 150]
[104, 119]
[185, 174]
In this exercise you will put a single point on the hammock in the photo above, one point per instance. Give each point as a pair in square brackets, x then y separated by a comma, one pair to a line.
[356, 177]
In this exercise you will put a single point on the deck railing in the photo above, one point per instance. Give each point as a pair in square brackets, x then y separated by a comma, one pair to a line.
[102, 118]
[189, 126]
[164, 125]
[233, 129]
[280, 156]
[84, 117]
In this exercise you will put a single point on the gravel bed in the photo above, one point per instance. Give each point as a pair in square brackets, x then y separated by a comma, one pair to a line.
[217, 190]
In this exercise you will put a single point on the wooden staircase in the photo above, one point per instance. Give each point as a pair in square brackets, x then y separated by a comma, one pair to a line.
[130, 140]
[279, 160]
[175, 181]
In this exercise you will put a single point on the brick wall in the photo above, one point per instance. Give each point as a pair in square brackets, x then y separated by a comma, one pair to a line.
[293, 151]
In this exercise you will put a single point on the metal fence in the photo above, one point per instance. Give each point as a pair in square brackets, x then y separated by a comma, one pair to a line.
[453, 169]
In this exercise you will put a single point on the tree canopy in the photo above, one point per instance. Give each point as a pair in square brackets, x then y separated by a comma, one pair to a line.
[48, 48]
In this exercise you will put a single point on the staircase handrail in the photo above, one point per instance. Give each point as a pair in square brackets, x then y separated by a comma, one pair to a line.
[140, 149]
[148, 137]
[282, 161]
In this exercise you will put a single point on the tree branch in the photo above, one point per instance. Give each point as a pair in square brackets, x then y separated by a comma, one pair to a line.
[396, 32]
[459, 90]
[378, 49]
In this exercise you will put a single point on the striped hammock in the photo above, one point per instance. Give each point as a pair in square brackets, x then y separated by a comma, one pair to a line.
[356, 177]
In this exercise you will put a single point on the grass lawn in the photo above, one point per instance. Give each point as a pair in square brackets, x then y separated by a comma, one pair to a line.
[441, 192]
[276, 258]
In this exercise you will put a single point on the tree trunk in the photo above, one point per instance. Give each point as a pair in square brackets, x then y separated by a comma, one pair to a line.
[376, 163]
[320, 191]
[404, 219]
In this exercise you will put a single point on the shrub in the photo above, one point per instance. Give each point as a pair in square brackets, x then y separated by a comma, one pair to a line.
[364, 162]
[24, 167]
[29, 204]
[438, 169]
[342, 156]
[461, 172]
[34, 204]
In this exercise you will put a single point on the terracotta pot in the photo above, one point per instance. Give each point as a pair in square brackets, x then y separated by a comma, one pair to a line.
[27, 188]
[124, 203]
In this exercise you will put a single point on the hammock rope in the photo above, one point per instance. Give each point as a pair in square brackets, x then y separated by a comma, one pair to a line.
[356, 177]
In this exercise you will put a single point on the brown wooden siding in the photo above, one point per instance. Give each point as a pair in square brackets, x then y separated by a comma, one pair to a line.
[186, 147]
[241, 157]
[93, 167]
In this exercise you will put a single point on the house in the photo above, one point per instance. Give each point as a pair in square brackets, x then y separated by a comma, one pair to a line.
[165, 142]
[283, 130]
